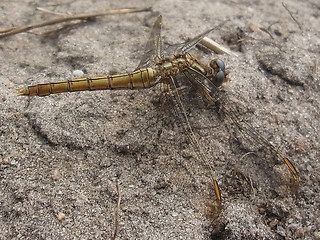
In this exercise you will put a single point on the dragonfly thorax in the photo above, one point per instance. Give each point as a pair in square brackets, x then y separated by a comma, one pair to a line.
[173, 65]
[169, 67]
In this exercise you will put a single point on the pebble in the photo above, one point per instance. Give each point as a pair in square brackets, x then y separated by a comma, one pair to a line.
[61, 216]
[78, 73]
[56, 174]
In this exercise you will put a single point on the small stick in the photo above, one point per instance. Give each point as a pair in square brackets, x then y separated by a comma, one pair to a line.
[116, 218]
[14, 30]
[295, 20]
[51, 12]
[216, 47]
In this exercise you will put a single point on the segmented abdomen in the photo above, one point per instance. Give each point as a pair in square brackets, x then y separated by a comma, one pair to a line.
[142, 78]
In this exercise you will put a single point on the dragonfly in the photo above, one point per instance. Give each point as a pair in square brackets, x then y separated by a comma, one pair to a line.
[177, 72]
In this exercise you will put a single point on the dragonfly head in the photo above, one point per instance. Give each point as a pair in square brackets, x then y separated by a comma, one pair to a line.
[218, 71]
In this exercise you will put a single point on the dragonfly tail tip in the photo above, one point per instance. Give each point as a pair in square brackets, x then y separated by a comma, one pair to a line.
[23, 91]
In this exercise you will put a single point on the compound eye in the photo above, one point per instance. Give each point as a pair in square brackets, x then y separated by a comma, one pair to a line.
[219, 79]
[221, 65]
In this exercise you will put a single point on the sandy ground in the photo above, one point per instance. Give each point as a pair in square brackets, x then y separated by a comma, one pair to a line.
[62, 156]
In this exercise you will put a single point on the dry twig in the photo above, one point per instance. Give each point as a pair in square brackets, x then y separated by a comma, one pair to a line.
[291, 15]
[116, 218]
[216, 47]
[84, 16]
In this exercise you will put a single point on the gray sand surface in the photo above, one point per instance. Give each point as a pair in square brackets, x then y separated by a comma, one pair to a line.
[62, 156]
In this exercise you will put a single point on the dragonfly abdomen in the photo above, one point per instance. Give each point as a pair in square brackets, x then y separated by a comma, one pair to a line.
[142, 78]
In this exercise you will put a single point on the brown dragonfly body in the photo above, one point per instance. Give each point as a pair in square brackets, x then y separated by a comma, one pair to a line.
[154, 69]
[141, 78]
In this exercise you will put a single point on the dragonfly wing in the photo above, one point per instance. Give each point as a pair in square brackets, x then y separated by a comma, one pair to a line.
[180, 112]
[191, 43]
[154, 49]
[214, 94]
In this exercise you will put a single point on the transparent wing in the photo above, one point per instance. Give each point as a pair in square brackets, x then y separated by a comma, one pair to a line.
[194, 41]
[181, 114]
[191, 43]
[214, 94]
[154, 49]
